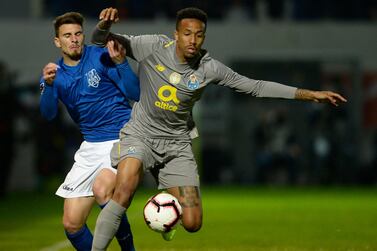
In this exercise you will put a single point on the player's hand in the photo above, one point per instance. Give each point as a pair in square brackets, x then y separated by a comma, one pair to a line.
[109, 14]
[327, 97]
[116, 51]
[49, 73]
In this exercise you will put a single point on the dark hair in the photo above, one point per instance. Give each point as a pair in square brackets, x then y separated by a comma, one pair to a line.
[68, 18]
[191, 12]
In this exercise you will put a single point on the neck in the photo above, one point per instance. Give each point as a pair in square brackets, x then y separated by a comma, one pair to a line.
[70, 62]
[180, 56]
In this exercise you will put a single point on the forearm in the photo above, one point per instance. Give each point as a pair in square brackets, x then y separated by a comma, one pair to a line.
[101, 33]
[130, 82]
[276, 90]
[126, 80]
[304, 94]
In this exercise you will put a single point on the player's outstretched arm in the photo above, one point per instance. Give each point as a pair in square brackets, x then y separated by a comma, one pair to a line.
[319, 96]
[101, 33]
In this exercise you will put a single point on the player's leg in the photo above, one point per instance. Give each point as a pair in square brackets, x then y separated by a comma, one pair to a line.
[180, 178]
[130, 172]
[76, 211]
[103, 189]
[190, 200]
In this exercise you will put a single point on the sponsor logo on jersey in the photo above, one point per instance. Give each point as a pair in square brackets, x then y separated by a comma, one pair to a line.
[167, 94]
[174, 78]
[193, 82]
[42, 87]
[93, 78]
[160, 68]
[65, 187]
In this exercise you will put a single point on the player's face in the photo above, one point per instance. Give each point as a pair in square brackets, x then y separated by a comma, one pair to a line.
[190, 38]
[70, 40]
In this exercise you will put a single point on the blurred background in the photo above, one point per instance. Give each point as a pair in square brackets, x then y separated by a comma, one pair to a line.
[314, 44]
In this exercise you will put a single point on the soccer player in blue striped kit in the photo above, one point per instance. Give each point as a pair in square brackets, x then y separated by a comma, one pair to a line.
[95, 84]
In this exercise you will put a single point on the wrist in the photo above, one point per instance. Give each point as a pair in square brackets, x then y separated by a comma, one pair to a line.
[104, 25]
[304, 94]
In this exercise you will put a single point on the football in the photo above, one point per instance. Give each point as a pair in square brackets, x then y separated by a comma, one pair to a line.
[162, 212]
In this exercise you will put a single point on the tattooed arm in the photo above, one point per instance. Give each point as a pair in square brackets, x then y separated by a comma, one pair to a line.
[319, 96]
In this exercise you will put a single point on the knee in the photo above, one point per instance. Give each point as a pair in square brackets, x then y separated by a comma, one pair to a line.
[71, 226]
[192, 227]
[123, 192]
[102, 192]
[192, 224]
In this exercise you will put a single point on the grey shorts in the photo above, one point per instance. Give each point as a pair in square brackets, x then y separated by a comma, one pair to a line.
[173, 158]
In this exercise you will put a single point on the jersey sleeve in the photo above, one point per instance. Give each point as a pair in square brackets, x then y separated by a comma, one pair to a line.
[48, 104]
[137, 47]
[140, 47]
[126, 80]
[121, 75]
[224, 76]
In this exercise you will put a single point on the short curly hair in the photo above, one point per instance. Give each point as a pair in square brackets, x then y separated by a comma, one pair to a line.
[191, 12]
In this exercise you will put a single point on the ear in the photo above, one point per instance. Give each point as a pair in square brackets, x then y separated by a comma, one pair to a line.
[176, 35]
[57, 42]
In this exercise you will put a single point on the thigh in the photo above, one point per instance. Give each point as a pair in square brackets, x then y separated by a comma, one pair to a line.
[130, 173]
[76, 210]
[181, 169]
[131, 147]
[90, 158]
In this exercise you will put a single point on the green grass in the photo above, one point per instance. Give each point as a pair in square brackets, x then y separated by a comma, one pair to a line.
[260, 219]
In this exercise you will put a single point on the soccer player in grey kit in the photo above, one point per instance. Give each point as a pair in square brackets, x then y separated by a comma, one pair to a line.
[173, 75]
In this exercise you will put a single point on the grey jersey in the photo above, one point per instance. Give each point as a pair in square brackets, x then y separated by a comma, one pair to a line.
[169, 89]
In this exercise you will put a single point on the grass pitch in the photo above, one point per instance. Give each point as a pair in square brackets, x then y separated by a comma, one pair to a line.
[260, 219]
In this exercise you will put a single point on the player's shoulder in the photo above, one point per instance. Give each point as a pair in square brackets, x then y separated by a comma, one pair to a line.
[165, 41]
[207, 61]
[213, 67]
[91, 49]
[157, 40]
[97, 56]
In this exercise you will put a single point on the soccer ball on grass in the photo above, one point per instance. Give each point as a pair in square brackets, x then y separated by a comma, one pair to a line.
[162, 212]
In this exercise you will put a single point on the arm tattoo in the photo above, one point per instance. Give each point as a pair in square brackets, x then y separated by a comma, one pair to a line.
[190, 196]
[303, 94]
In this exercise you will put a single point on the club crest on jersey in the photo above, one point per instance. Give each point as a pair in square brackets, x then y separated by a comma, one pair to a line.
[131, 150]
[193, 82]
[93, 78]
[174, 78]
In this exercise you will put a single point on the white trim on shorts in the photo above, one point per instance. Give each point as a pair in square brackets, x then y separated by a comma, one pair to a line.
[90, 159]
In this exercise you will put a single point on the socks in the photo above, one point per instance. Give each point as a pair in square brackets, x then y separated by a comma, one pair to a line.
[124, 233]
[82, 239]
[107, 225]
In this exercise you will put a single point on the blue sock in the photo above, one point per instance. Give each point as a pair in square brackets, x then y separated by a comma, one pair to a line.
[124, 234]
[82, 239]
